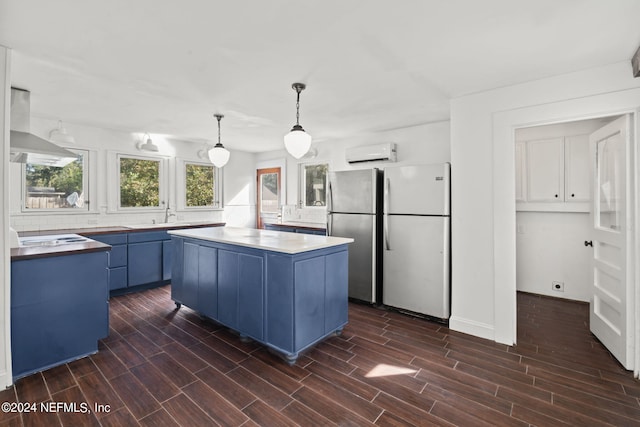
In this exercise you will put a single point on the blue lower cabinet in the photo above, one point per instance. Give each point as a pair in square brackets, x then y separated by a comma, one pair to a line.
[207, 282]
[167, 259]
[187, 293]
[240, 292]
[117, 278]
[117, 263]
[138, 259]
[145, 257]
[318, 232]
[59, 310]
[287, 302]
[144, 263]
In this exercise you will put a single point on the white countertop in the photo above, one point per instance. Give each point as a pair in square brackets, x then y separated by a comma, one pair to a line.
[277, 241]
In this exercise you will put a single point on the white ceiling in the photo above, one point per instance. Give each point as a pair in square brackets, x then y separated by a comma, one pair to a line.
[165, 67]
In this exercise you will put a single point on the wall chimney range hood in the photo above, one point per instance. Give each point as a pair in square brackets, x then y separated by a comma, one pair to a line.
[25, 147]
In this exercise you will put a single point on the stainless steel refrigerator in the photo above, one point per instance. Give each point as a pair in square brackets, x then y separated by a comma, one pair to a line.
[354, 209]
[416, 239]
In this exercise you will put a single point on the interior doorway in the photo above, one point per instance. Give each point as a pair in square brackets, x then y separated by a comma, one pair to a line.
[555, 210]
[268, 195]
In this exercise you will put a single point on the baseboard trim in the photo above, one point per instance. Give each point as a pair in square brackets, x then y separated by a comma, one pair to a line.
[471, 327]
[6, 380]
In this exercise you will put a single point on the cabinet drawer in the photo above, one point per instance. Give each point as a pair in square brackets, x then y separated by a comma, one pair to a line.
[109, 239]
[117, 278]
[118, 256]
[148, 236]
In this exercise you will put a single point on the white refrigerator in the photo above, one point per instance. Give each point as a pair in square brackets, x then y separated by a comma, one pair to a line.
[416, 239]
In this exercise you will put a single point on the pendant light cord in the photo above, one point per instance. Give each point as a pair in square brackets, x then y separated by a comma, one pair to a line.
[219, 117]
[298, 106]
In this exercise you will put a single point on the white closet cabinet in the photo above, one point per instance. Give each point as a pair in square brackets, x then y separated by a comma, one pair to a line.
[577, 181]
[553, 174]
[545, 170]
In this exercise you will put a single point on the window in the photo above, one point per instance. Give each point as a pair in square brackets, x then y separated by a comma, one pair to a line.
[57, 188]
[199, 185]
[140, 182]
[313, 185]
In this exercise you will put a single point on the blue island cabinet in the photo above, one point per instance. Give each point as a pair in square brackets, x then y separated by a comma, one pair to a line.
[285, 301]
[59, 310]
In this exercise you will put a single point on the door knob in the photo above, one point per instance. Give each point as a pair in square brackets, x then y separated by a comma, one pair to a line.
[588, 243]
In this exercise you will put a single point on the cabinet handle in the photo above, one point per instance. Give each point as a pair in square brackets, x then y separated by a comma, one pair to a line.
[588, 243]
[556, 196]
[573, 195]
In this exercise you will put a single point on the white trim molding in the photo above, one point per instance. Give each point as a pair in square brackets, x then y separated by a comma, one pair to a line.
[471, 327]
[6, 376]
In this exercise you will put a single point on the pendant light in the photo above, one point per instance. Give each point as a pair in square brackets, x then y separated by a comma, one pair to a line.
[219, 155]
[297, 142]
[60, 135]
[148, 145]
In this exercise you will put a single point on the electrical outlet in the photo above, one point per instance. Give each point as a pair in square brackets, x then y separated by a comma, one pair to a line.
[557, 286]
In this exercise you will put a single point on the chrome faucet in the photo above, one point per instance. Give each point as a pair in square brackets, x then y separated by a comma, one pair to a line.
[167, 215]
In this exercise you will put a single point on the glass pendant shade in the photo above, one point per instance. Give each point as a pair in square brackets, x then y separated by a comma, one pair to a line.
[219, 155]
[297, 142]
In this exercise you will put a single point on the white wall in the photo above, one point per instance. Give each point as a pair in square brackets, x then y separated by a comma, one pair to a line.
[5, 255]
[550, 247]
[483, 189]
[427, 143]
[103, 143]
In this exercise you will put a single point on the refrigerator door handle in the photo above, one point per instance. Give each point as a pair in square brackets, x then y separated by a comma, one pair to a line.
[329, 209]
[386, 214]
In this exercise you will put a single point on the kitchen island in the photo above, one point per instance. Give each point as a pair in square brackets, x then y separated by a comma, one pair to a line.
[287, 291]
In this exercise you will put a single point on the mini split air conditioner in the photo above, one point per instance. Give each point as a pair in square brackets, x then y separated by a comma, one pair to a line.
[371, 153]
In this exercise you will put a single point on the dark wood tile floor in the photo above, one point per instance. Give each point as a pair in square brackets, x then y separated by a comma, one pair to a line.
[161, 367]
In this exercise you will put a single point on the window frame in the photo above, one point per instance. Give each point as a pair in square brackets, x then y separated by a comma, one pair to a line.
[302, 181]
[163, 178]
[181, 186]
[87, 170]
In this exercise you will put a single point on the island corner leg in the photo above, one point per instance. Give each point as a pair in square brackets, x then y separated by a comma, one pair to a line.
[291, 358]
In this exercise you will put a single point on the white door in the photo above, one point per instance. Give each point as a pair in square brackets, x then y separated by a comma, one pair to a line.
[611, 311]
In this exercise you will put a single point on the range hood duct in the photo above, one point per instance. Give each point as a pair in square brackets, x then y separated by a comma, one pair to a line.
[25, 147]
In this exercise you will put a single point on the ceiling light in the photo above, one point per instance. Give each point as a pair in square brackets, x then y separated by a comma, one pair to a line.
[148, 145]
[297, 142]
[219, 155]
[60, 135]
